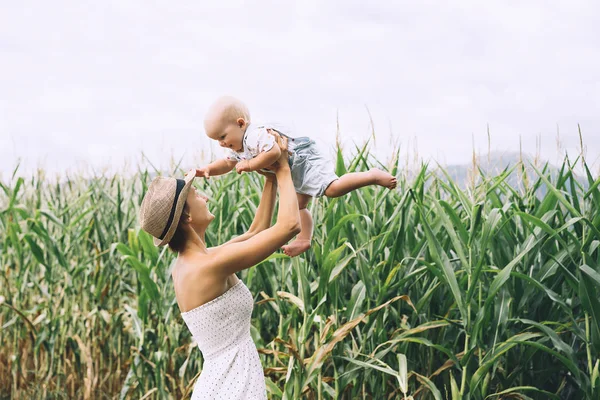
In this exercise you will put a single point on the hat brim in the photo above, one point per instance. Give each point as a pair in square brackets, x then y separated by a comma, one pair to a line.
[189, 178]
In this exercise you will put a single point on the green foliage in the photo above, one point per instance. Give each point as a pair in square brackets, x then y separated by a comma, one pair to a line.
[430, 291]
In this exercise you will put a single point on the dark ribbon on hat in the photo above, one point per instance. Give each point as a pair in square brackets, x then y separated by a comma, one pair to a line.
[180, 185]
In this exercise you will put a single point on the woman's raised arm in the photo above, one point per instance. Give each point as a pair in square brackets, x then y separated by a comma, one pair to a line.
[235, 257]
[264, 212]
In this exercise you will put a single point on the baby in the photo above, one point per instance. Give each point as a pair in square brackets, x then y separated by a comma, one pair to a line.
[251, 147]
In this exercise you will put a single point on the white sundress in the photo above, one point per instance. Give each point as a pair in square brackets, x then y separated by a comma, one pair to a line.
[221, 327]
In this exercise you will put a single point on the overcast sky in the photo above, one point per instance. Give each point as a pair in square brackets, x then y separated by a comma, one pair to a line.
[87, 83]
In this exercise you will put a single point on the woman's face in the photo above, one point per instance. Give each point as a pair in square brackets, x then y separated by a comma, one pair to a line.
[198, 208]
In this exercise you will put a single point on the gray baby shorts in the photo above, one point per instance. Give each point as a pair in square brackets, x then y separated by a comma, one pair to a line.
[312, 171]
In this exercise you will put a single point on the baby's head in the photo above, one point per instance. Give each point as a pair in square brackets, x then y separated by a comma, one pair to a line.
[226, 121]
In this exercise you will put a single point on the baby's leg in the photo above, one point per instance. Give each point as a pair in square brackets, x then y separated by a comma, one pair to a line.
[302, 241]
[354, 180]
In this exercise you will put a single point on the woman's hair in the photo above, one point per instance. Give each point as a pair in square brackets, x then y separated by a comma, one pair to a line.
[177, 242]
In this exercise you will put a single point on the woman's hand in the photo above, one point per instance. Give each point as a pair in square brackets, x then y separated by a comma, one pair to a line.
[269, 175]
[282, 162]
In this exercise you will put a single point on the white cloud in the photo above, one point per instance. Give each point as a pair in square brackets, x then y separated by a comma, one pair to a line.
[98, 82]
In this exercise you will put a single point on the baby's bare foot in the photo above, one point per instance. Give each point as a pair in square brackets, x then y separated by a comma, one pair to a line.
[297, 247]
[383, 178]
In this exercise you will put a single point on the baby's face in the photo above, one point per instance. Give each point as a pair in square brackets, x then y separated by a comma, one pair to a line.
[229, 135]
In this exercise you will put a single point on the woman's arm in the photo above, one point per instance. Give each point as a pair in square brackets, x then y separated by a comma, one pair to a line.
[238, 256]
[264, 213]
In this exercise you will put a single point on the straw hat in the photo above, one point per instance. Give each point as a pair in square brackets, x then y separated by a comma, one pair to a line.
[162, 206]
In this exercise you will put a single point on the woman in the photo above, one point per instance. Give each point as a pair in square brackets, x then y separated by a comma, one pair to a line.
[215, 305]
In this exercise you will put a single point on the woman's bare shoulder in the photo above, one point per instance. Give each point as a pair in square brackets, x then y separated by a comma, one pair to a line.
[194, 264]
[195, 281]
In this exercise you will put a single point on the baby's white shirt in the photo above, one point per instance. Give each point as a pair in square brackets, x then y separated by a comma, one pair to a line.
[256, 140]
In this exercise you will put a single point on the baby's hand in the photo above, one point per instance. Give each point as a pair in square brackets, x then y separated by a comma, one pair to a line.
[203, 172]
[243, 166]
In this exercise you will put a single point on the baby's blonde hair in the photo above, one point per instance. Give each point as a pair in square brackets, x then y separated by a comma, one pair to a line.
[230, 109]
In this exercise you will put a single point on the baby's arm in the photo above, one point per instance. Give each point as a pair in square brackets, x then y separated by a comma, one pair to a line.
[263, 160]
[218, 167]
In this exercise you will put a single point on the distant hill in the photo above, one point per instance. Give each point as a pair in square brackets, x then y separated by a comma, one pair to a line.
[497, 162]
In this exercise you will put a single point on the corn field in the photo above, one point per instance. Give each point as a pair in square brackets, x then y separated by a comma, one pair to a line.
[433, 291]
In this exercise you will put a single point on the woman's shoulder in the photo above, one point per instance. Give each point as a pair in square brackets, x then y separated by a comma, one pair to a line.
[191, 265]
[196, 259]
[194, 269]
[195, 285]
[203, 263]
